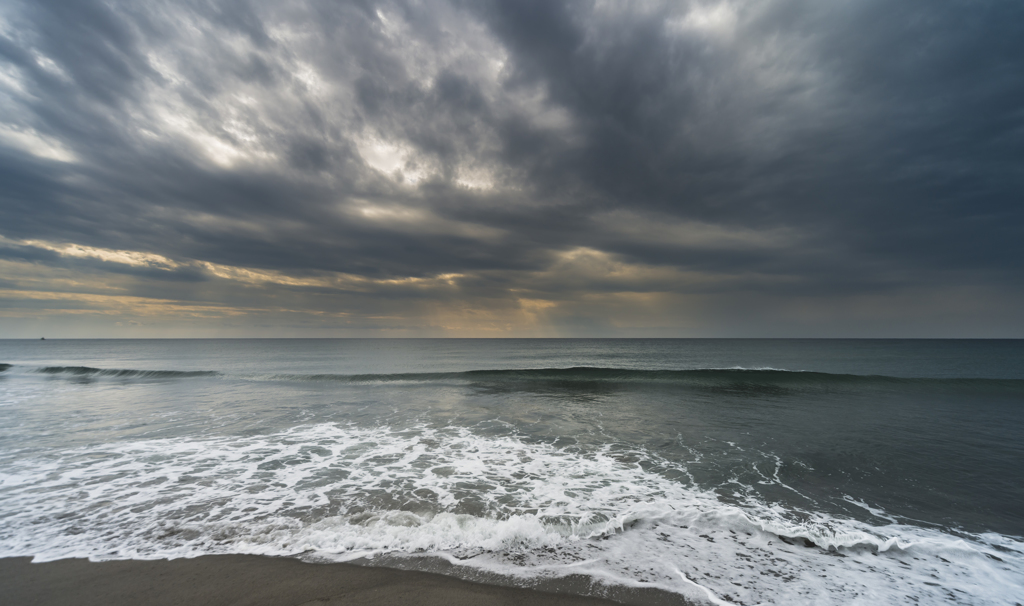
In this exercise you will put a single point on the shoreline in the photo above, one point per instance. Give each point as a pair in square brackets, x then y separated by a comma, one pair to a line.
[250, 580]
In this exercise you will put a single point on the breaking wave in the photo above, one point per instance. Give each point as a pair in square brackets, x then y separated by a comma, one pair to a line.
[486, 504]
[86, 371]
[695, 378]
[713, 379]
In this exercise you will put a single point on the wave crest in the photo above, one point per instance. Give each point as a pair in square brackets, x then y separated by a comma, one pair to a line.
[706, 378]
[127, 373]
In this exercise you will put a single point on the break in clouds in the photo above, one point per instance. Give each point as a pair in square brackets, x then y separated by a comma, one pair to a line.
[522, 168]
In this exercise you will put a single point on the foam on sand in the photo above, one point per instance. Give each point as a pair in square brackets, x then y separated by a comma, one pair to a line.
[486, 503]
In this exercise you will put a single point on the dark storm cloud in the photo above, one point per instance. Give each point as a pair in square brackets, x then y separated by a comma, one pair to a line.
[785, 146]
[891, 125]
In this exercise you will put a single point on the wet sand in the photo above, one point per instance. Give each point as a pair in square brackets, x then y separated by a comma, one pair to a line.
[250, 581]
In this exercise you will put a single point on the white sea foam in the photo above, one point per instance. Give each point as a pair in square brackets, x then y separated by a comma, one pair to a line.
[495, 503]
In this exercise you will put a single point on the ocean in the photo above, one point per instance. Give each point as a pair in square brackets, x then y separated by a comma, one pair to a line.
[718, 471]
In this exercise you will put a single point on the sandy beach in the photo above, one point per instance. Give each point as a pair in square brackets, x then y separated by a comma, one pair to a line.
[238, 580]
[644, 472]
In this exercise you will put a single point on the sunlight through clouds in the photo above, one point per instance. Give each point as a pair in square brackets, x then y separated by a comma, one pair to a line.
[516, 167]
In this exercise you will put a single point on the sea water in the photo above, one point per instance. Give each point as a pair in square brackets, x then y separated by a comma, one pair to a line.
[717, 471]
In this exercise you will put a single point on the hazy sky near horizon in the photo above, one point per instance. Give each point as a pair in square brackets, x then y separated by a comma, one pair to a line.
[512, 168]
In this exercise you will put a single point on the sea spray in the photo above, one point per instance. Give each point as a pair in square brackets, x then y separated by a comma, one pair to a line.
[499, 504]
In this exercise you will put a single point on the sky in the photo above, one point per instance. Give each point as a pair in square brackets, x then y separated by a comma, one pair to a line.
[527, 168]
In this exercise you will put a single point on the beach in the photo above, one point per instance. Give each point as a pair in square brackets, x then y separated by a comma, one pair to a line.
[644, 472]
[249, 581]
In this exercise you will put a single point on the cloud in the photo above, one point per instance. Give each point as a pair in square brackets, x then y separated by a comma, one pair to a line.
[501, 167]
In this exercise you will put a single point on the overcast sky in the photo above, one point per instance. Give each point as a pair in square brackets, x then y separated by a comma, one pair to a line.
[512, 168]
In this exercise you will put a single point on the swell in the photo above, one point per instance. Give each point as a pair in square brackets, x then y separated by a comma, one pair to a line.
[732, 379]
[125, 373]
[694, 377]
